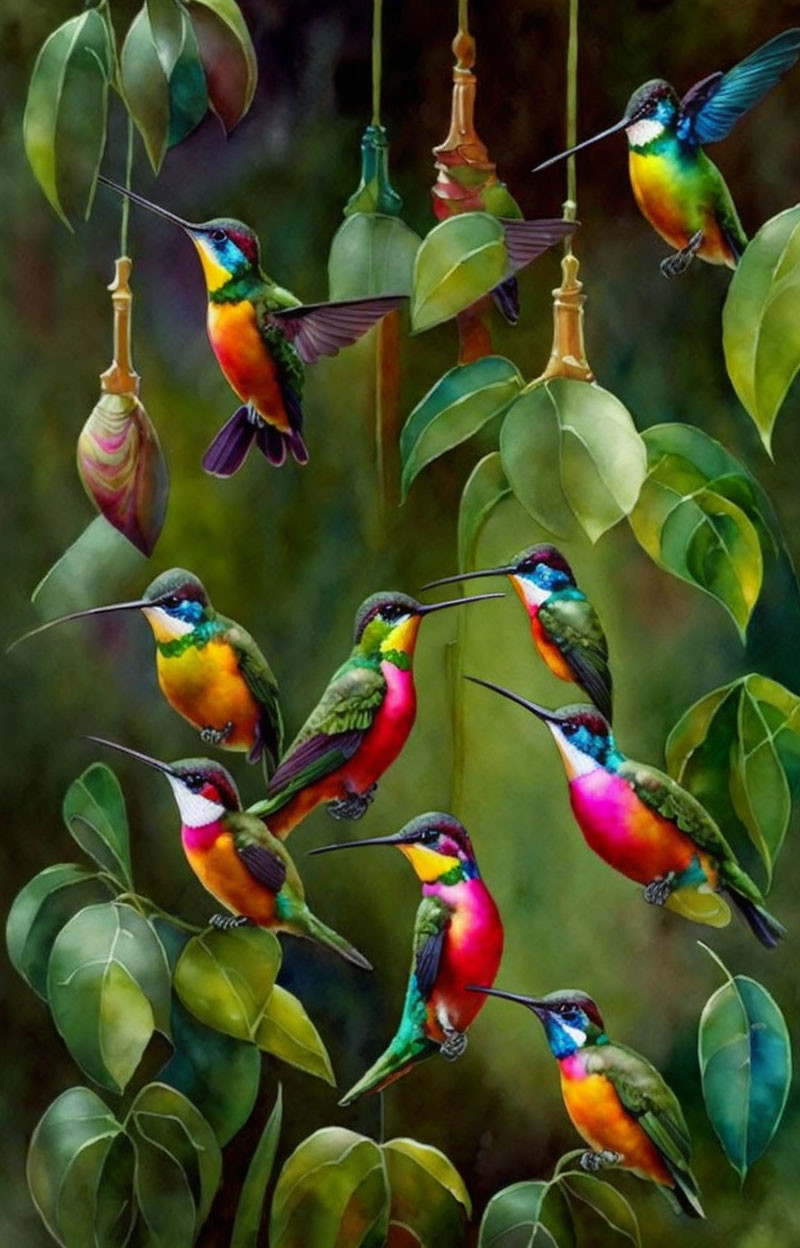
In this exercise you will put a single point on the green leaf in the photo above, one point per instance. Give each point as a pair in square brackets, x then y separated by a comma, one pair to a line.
[458, 262]
[761, 320]
[166, 31]
[250, 1208]
[287, 1032]
[457, 406]
[102, 1176]
[226, 978]
[573, 457]
[486, 486]
[429, 1201]
[228, 57]
[94, 812]
[371, 254]
[108, 987]
[89, 571]
[145, 87]
[604, 1200]
[66, 1158]
[39, 912]
[332, 1190]
[745, 1067]
[188, 95]
[689, 524]
[64, 126]
[527, 1215]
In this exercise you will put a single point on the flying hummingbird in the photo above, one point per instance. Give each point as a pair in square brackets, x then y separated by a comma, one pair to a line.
[360, 723]
[565, 627]
[617, 1101]
[236, 858]
[210, 670]
[262, 336]
[640, 821]
[458, 937]
[678, 189]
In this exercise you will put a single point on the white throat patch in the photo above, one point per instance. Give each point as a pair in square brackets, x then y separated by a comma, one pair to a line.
[578, 763]
[643, 132]
[166, 626]
[196, 811]
[574, 1033]
[533, 594]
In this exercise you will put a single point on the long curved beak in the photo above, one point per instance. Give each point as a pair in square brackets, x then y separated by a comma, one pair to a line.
[586, 143]
[79, 615]
[395, 839]
[469, 576]
[189, 226]
[455, 602]
[540, 711]
[142, 758]
[539, 1007]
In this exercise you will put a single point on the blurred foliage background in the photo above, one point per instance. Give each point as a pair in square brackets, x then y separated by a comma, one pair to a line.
[291, 554]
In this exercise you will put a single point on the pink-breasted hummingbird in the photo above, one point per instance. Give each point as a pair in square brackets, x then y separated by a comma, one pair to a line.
[641, 821]
[617, 1101]
[235, 857]
[565, 627]
[458, 937]
[263, 337]
[678, 189]
[361, 722]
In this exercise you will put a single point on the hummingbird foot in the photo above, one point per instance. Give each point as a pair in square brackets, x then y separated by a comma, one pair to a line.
[659, 891]
[226, 922]
[678, 263]
[354, 806]
[455, 1042]
[216, 736]
[599, 1161]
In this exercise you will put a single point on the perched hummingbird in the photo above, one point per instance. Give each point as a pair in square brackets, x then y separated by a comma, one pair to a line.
[360, 723]
[678, 189]
[262, 337]
[618, 1102]
[210, 670]
[236, 858]
[458, 937]
[640, 821]
[565, 627]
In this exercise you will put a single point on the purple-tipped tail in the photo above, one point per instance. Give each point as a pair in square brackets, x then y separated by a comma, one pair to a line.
[231, 446]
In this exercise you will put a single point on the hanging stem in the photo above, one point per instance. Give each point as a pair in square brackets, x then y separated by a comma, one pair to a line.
[463, 17]
[377, 13]
[571, 204]
[126, 203]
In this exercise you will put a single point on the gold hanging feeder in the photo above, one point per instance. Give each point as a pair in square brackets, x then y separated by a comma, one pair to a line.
[568, 356]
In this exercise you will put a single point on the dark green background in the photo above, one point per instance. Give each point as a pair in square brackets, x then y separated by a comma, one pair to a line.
[291, 553]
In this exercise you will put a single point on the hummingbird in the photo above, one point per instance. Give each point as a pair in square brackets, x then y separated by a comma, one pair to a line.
[236, 858]
[617, 1101]
[677, 188]
[210, 669]
[641, 821]
[262, 336]
[565, 627]
[361, 722]
[457, 931]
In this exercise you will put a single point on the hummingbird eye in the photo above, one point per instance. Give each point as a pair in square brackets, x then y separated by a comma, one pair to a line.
[218, 236]
[194, 782]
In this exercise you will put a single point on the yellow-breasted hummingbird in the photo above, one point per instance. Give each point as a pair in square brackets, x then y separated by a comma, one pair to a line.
[678, 189]
[262, 336]
[458, 937]
[565, 627]
[617, 1101]
[210, 669]
[361, 722]
[236, 858]
[641, 821]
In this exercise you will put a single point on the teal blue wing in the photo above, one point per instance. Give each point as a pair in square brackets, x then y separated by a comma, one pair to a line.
[259, 678]
[572, 624]
[710, 110]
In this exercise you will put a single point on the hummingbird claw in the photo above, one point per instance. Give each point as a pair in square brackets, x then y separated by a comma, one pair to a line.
[226, 922]
[678, 263]
[216, 736]
[659, 891]
[354, 806]
[455, 1043]
[593, 1162]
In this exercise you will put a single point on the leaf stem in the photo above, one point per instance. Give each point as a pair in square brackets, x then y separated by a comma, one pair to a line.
[126, 203]
[377, 14]
[463, 16]
[571, 202]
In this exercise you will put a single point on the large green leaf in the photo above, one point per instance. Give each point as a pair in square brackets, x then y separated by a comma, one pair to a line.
[94, 811]
[761, 320]
[745, 1067]
[228, 57]
[527, 1215]
[458, 262]
[429, 1202]
[226, 978]
[487, 485]
[604, 1200]
[371, 254]
[458, 405]
[188, 95]
[90, 570]
[287, 1032]
[64, 127]
[573, 457]
[145, 87]
[108, 988]
[249, 1210]
[166, 29]
[39, 912]
[333, 1184]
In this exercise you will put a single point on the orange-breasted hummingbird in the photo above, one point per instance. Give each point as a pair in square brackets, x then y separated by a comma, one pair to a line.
[458, 937]
[236, 858]
[678, 189]
[641, 821]
[262, 336]
[617, 1101]
[210, 669]
[565, 627]
[361, 722]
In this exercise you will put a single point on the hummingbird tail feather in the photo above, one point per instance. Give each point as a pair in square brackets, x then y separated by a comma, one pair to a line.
[273, 444]
[506, 297]
[231, 446]
[684, 1196]
[764, 926]
[312, 927]
[401, 1055]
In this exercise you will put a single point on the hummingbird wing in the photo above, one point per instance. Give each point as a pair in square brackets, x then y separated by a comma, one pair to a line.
[264, 857]
[525, 240]
[571, 622]
[316, 329]
[664, 795]
[430, 929]
[711, 108]
[261, 682]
